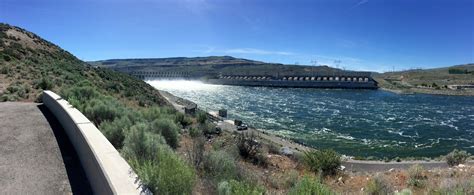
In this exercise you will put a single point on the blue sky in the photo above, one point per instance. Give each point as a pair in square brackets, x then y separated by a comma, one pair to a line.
[374, 35]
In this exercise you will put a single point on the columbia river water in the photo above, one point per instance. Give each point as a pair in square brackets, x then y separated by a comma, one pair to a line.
[353, 122]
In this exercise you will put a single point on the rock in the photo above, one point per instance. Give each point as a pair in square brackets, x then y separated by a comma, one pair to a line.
[339, 180]
[342, 168]
[286, 151]
[391, 170]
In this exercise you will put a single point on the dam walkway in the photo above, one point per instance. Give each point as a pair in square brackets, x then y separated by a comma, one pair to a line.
[36, 157]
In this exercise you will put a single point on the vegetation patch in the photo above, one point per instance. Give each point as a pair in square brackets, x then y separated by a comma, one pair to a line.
[326, 162]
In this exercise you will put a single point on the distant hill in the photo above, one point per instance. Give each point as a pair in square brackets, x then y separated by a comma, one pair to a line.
[208, 66]
[433, 81]
[30, 64]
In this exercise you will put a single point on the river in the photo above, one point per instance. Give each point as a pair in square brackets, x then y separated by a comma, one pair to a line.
[353, 122]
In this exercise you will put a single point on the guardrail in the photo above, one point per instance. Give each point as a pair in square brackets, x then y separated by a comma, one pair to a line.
[106, 170]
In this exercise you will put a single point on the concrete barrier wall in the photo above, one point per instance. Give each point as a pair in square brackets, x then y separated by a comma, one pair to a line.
[106, 170]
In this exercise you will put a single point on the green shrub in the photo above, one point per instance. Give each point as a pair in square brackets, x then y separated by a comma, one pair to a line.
[102, 109]
[248, 145]
[250, 148]
[4, 70]
[44, 84]
[416, 178]
[310, 185]
[115, 130]
[208, 128]
[195, 132]
[202, 117]
[6, 58]
[456, 157]
[285, 180]
[378, 185]
[220, 166]
[327, 162]
[157, 165]
[9, 97]
[234, 187]
[82, 92]
[196, 152]
[182, 119]
[168, 129]
[166, 173]
[140, 144]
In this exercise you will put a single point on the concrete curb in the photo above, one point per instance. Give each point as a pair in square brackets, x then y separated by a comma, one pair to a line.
[106, 170]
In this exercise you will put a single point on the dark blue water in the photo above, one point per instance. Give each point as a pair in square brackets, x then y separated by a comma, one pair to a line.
[353, 122]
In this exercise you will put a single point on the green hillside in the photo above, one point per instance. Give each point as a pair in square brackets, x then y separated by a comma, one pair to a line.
[130, 113]
[432, 81]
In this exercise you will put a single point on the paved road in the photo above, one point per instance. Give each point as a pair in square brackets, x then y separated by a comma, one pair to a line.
[35, 155]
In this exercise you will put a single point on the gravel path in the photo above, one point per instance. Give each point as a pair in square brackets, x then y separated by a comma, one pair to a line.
[31, 160]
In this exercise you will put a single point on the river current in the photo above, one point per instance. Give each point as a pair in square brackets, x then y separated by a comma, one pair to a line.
[352, 122]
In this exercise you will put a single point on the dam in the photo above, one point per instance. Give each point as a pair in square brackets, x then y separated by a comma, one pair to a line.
[341, 80]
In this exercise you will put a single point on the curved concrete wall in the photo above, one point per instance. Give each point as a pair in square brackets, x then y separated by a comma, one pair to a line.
[106, 170]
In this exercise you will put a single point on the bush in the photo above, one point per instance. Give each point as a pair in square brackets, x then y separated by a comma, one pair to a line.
[140, 144]
[182, 119]
[166, 173]
[168, 129]
[196, 153]
[83, 92]
[327, 162]
[4, 70]
[102, 109]
[44, 84]
[115, 130]
[234, 187]
[220, 166]
[285, 180]
[202, 117]
[456, 157]
[208, 128]
[309, 185]
[157, 165]
[248, 145]
[250, 148]
[416, 177]
[378, 185]
[195, 132]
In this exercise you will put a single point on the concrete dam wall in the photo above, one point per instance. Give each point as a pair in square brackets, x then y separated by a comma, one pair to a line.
[361, 81]
[343, 79]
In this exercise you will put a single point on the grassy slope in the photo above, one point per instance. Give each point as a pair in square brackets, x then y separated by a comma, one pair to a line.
[26, 60]
[421, 81]
[124, 108]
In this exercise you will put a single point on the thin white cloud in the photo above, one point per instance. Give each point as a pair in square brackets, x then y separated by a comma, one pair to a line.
[362, 2]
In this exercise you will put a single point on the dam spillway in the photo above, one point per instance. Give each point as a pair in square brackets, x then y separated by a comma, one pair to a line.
[341, 80]
[347, 81]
